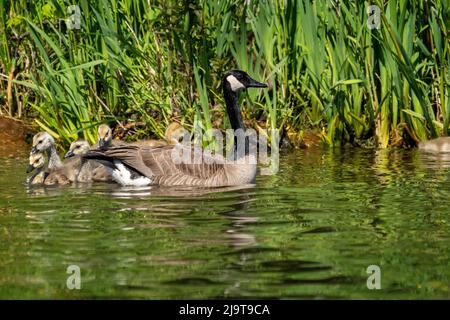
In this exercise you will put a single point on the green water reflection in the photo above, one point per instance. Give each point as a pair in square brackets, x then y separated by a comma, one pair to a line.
[308, 232]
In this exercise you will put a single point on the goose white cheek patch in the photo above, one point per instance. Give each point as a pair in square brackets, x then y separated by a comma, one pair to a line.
[235, 84]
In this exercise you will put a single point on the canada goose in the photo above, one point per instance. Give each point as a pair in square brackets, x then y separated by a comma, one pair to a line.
[174, 133]
[36, 164]
[88, 170]
[59, 173]
[67, 170]
[441, 144]
[139, 165]
[105, 137]
[78, 170]
[77, 148]
[172, 136]
[44, 142]
[42, 175]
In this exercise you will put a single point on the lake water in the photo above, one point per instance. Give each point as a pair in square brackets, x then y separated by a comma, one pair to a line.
[311, 231]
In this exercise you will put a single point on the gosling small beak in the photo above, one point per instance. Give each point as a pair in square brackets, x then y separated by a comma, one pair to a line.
[69, 154]
[33, 150]
[30, 168]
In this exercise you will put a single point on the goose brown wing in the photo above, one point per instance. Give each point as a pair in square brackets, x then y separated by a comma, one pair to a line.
[129, 155]
[172, 171]
[160, 164]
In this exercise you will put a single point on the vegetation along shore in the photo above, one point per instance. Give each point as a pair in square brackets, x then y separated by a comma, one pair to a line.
[139, 65]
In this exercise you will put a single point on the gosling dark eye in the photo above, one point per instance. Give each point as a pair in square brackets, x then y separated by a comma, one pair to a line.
[77, 147]
[40, 141]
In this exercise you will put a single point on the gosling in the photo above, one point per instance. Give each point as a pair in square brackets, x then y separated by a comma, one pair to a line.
[36, 164]
[44, 142]
[89, 170]
[43, 175]
[172, 136]
[441, 144]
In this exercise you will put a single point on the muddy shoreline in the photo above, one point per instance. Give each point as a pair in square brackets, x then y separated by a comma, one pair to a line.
[14, 137]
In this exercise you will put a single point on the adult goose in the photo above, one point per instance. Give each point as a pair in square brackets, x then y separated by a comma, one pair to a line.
[140, 165]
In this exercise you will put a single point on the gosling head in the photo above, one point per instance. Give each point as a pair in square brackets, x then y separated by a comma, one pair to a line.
[36, 161]
[175, 133]
[104, 136]
[237, 80]
[42, 141]
[77, 148]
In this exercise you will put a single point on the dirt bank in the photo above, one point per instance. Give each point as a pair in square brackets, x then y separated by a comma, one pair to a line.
[13, 137]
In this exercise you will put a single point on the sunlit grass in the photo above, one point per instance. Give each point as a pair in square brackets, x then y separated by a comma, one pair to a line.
[149, 63]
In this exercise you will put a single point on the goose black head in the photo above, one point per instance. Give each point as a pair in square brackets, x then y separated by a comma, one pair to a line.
[42, 141]
[104, 136]
[77, 148]
[237, 80]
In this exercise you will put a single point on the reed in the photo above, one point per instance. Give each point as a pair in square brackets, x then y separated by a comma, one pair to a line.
[141, 64]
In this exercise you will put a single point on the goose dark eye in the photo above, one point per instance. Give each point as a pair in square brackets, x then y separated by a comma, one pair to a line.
[77, 147]
[40, 141]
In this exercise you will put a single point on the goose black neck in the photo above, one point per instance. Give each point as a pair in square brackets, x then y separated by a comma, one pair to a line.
[235, 116]
[233, 111]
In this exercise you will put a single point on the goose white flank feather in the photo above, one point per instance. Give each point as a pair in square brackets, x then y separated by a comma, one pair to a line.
[123, 176]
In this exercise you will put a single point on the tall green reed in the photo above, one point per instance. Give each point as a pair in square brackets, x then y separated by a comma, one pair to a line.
[149, 63]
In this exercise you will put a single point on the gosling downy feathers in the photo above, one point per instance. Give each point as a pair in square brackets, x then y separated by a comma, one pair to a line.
[44, 142]
[78, 169]
[36, 164]
[172, 136]
[60, 171]
[105, 138]
[87, 170]
[441, 144]
[174, 133]
[45, 175]
[141, 165]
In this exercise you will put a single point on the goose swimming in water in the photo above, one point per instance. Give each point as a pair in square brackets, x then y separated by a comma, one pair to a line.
[44, 142]
[172, 136]
[174, 133]
[56, 172]
[89, 170]
[78, 148]
[140, 165]
[45, 175]
[441, 144]
[36, 164]
[68, 170]
[105, 137]
[81, 169]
